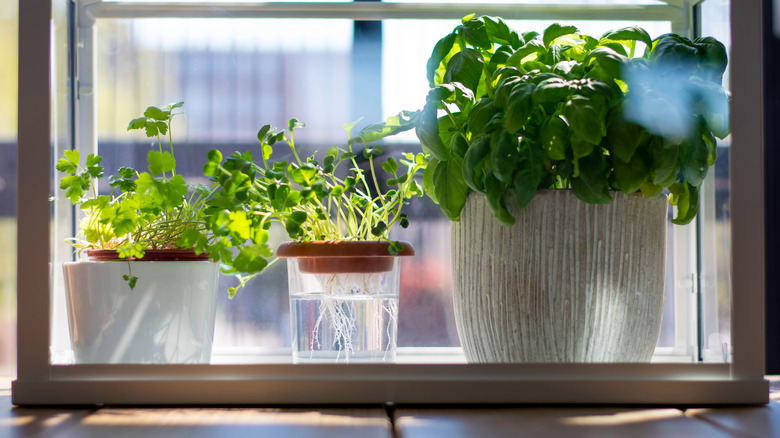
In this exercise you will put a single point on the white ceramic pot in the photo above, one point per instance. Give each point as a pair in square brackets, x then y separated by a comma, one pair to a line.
[167, 318]
[569, 282]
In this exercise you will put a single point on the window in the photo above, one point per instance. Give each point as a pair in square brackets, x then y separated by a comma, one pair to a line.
[300, 60]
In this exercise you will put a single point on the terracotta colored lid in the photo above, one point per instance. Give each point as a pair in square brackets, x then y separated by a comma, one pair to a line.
[334, 257]
[150, 255]
[350, 248]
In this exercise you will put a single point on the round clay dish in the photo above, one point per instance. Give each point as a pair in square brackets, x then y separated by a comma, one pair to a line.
[150, 255]
[337, 257]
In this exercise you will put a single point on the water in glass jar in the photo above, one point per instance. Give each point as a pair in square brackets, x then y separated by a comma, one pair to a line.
[355, 328]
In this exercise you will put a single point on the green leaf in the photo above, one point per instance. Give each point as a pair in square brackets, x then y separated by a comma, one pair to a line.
[665, 166]
[624, 137]
[428, 185]
[610, 60]
[390, 166]
[497, 30]
[214, 156]
[581, 148]
[138, 123]
[379, 229]
[531, 47]
[694, 159]
[127, 172]
[440, 52]
[162, 127]
[239, 225]
[192, 238]
[131, 280]
[712, 147]
[551, 90]
[454, 92]
[554, 138]
[68, 166]
[373, 151]
[592, 185]
[555, 31]
[401, 122]
[585, 118]
[633, 33]
[450, 189]
[93, 160]
[480, 115]
[651, 190]
[475, 155]
[249, 259]
[74, 187]
[124, 184]
[151, 128]
[263, 132]
[504, 155]
[155, 113]
[465, 67]
[160, 162]
[519, 107]
[294, 123]
[504, 89]
[713, 103]
[712, 58]
[674, 51]
[173, 106]
[686, 198]
[427, 131]
[475, 33]
[495, 197]
[526, 181]
[630, 176]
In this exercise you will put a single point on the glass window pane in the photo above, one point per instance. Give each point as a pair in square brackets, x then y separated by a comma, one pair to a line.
[235, 75]
[8, 73]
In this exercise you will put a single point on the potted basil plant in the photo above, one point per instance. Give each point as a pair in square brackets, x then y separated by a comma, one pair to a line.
[343, 268]
[553, 154]
[141, 294]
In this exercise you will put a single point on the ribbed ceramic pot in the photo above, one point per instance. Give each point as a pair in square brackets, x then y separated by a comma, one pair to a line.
[167, 318]
[569, 282]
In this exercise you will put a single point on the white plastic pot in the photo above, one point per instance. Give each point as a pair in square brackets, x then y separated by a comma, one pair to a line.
[167, 318]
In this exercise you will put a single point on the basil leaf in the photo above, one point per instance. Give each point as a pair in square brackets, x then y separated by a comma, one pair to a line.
[475, 155]
[440, 52]
[465, 67]
[555, 30]
[519, 107]
[554, 138]
[592, 185]
[427, 130]
[495, 197]
[633, 33]
[686, 198]
[504, 155]
[451, 191]
[585, 118]
[629, 177]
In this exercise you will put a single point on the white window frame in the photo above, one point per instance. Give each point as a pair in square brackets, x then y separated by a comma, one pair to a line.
[40, 382]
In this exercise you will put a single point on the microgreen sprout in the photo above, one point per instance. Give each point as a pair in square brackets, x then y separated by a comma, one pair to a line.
[309, 197]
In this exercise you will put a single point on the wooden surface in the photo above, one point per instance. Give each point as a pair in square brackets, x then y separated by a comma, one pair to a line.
[371, 422]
